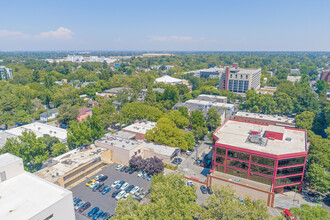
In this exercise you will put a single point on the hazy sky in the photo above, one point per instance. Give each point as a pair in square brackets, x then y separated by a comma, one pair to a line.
[221, 25]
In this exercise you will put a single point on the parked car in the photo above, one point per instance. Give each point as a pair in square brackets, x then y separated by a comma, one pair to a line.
[85, 206]
[209, 190]
[188, 152]
[102, 178]
[126, 169]
[190, 183]
[77, 200]
[90, 182]
[149, 177]
[99, 176]
[131, 171]
[134, 190]
[145, 175]
[137, 198]
[120, 195]
[97, 214]
[106, 190]
[125, 196]
[120, 184]
[124, 186]
[103, 216]
[144, 194]
[139, 191]
[118, 167]
[140, 174]
[96, 187]
[128, 189]
[203, 189]
[78, 205]
[115, 183]
[122, 169]
[102, 188]
[110, 216]
[93, 211]
[115, 193]
[94, 184]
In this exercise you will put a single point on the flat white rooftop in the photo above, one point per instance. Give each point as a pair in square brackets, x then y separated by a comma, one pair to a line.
[236, 133]
[8, 158]
[140, 127]
[26, 195]
[160, 149]
[40, 129]
[168, 79]
[247, 71]
[209, 103]
[275, 118]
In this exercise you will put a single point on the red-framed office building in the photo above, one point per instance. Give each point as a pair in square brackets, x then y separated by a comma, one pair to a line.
[272, 155]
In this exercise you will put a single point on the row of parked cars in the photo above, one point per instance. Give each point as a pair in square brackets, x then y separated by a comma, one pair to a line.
[95, 213]
[123, 189]
[130, 170]
[203, 188]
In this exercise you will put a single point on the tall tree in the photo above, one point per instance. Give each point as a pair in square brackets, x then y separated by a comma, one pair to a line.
[310, 212]
[150, 96]
[197, 118]
[305, 120]
[67, 113]
[30, 148]
[213, 119]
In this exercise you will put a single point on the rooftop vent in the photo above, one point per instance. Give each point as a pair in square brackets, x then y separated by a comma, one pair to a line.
[288, 139]
[123, 146]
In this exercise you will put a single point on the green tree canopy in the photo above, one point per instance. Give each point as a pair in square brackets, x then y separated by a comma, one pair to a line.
[67, 113]
[310, 212]
[213, 119]
[305, 120]
[197, 118]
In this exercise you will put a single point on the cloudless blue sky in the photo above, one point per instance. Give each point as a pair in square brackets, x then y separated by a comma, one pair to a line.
[208, 25]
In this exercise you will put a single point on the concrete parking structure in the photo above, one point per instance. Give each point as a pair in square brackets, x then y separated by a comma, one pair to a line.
[106, 202]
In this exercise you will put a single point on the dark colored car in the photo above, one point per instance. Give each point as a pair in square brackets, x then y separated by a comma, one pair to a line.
[76, 201]
[203, 189]
[115, 193]
[97, 215]
[209, 190]
[96, 187]
[137, 198]
[85, 206]
[93, 211]
[131, 171]
[104, 215]
[126, 169]
[122, 169]
[129, 188]
[102, 188]
[120, 184]
[106, 190]
[102, 178]
[110, 216]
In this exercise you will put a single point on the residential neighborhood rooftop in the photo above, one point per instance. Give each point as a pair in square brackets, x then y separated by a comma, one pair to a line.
[276, 118]
[140, 127]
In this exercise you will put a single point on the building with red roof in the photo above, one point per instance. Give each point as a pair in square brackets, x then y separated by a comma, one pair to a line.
[84, 112]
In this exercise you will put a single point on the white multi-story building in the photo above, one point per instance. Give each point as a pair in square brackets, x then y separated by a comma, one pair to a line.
[26, 196]
[5, 73]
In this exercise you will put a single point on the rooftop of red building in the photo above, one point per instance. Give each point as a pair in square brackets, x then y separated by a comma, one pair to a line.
[262, 138]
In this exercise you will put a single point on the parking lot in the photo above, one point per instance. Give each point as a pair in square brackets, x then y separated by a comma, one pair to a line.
[106, 202]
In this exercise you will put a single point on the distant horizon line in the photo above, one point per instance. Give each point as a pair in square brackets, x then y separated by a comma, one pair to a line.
[162, 51]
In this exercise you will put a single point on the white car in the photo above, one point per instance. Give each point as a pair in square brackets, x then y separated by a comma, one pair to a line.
[140, 174]
[99, 176]
[134, 190]
[124, 186]
[94, 184]
[125, 196]
[78, 205]
[119, 167]
[139, 191]
[115, 184]
[120, 195]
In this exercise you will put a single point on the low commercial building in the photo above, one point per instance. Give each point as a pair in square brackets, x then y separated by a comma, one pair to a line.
[40, 130]
[84, 112]
[49, 114]
[271, 155]
[140, 128]
[26, 196]
[143, 92]
[267, 90]
[265, 119]
[169, 80]
[212, 98]
[325, 75]
[124, 149]
[114, 91]
[210, 73]
[230, 108]
[295, 71]
[294, 79]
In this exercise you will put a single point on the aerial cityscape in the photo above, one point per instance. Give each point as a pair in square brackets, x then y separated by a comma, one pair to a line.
[165, 110]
